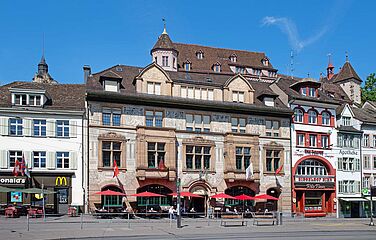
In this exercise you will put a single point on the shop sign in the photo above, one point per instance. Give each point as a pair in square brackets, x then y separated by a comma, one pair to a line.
[8, 180]
[16, 197]
[61, 181]
[314, 152]
[348, 152]
[314, 179]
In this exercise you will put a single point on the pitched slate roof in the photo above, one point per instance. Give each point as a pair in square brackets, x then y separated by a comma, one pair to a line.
[163, 42]
[349, 129]
[346, 72]
[364, 115]
[61, 96]
[212, 55]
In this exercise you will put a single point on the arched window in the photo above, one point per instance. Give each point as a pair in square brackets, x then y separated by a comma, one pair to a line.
[112, 201]
[325, 118]
[312, 117]
[298, 117]
[154, 188]
[311, 167]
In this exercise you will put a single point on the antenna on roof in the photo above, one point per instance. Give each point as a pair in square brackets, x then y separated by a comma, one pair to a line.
[292, 64]
[347, 56]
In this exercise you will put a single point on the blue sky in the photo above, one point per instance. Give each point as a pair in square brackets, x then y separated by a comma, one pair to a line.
[104, 33]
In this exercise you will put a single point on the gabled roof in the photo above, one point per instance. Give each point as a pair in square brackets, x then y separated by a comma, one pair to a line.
[346, 72]
[110, 74]
[363, 115]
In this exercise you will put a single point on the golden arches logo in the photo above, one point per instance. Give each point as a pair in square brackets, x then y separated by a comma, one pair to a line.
[60, 180]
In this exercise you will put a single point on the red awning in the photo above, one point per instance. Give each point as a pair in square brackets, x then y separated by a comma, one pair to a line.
[267, 197]
[110, 193]
[222, 195]
[147, 194]
[244, 197]
[186, 194]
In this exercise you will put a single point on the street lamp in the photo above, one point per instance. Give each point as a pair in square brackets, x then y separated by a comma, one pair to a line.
[178, 183]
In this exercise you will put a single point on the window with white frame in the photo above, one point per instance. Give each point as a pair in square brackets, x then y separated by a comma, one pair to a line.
[366, 182]
[62, 159]
[197, 157]
[39, 127]
[233, 58]
[39, 159]
[346, 140]
[312, 117]
[374, 163]
[272, 128]
[312, 92]
[325, 116]
[197, 122]
[299, 115]
[238, 124]
[349, 186]
[35, 100]
[349, 164]
[243, 157]
[154, 88]
[238, 96]
[312, 140]
[187, 66]
[346, 121]
[200, 55]
[111, 117]
[62, 128]
[217, 68]
[300, 139]
[153, 118]
[165, 61]
[366, 162]
[20, 99]
[156, 154]
[13, 156]
[197, 93]
[257, 72]
[111, 85]
[273, 158]
[240, 70]
[366, 140]
[311, 167]
[303, 91]
[16, 127]
[325, 141]
[374, 140]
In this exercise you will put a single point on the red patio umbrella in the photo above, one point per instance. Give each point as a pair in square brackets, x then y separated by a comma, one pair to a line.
[267, 197]
[110, 193]
[147, 194]
[222, 195]
[244, 197]
[186, 194]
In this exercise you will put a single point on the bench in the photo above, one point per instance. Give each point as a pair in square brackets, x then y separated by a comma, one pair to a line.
[232, 220]
[267, 217]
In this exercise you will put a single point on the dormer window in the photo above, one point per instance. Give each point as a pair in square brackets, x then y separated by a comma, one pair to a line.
[265, 62]
[187, 66]
[257, 72]
[29, 99]
[240, 70]
[346, 121]
[303, 91]
[312, 92]
[20, 99]
[164, 61]
[200, 55]
[233, 58]
[238, 96]
[111, 85]
[217, 67]
[35, 100]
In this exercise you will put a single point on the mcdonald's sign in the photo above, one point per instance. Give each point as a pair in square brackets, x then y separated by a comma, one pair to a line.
[61, 181]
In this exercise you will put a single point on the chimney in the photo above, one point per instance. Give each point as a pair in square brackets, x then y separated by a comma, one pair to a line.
[87, 72]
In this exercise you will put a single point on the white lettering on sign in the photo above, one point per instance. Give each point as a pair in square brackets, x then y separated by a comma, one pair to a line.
[12, 180]
[314, 179]
[348, 152]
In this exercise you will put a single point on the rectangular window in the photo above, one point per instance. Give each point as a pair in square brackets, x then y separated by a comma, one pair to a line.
[16, 127]
[366, 161]
[62, 128]
[39, 159]
[272, 128]
[62, 160]
[366, 140]
[366, 182]
[243, 157]
[156, 154]
[154, 118]
[111, 151]
[374, 140]
[272, 160]
[312, 140]
[111, 117]
[238, 125]
[165, 61]
[197, 122]
[197, 157]
[346, 121]
[239, 70]
[374, 163]
[34, 100]
[312, 92]
[111, 86]
[183, 92]
[20, 99]
[300, 139]
[39, 128]
[237, 96]
[154, 88]
[303, 91]
[325, 141]
[13, 156]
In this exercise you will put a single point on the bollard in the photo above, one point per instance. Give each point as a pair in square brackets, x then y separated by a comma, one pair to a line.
[81, 221]
[28, 222]
[129, 222]
[280, 218]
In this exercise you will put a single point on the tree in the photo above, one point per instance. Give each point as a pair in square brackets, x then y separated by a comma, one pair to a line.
[369, 89]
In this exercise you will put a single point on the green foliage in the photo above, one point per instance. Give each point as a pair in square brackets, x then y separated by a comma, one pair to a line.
[369, 89]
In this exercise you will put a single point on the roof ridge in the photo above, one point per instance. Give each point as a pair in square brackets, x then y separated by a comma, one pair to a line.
[236, 50]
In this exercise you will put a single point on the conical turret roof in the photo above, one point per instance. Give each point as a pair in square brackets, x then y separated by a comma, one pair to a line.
[347, 72]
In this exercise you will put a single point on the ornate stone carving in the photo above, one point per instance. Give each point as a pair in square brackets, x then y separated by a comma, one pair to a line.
[256, 121]
[135, 111]
[112, 136]
[175, 114]
[285, 123]
[220, 118]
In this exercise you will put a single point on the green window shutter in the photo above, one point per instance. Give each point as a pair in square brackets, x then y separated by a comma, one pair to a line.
[51, 160]
[4, 126]
[3, 159]
[51, 128]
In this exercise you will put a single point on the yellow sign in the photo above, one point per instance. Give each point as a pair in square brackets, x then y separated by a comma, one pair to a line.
[60, 180]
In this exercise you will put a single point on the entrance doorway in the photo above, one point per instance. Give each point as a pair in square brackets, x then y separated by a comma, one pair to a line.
[199, 204]
[62, 200]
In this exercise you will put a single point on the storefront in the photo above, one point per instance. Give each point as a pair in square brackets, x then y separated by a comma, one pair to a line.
[54, 203]
[314, 192]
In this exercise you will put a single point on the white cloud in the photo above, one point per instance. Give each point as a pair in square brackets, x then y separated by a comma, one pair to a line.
[289, 28]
